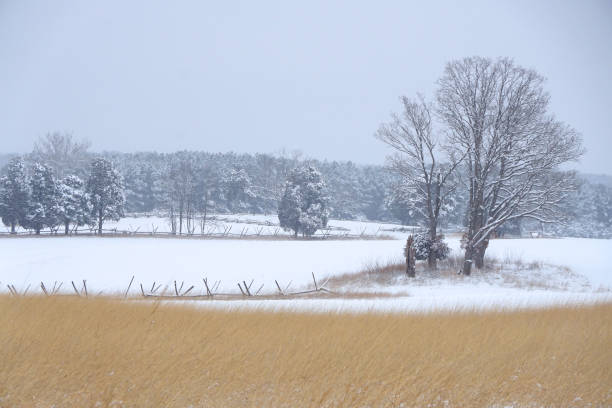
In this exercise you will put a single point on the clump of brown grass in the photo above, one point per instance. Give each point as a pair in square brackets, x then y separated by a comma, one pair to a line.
[509, 272]
[95, 352]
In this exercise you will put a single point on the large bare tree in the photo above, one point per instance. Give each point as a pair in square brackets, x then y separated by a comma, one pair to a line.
[63, 153]
[182, 196]
[418, 161]
[497, 116]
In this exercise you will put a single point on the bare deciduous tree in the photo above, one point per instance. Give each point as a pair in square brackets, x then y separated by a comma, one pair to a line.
[497, 116]
[62, 153]
[181, 192]
[418, 163]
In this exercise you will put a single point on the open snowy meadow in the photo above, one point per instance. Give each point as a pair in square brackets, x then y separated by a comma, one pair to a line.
[528, 272]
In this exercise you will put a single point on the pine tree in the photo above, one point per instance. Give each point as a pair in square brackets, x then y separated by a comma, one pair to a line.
[105, 189]
[238, 190]
[43, 208]
[74, 205]
[303, 206]
[14, 195]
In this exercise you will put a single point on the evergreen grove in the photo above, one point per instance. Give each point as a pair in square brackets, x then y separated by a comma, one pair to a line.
[35, 199]
[200, 182]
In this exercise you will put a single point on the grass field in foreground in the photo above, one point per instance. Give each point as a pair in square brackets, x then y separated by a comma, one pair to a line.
[66, 351]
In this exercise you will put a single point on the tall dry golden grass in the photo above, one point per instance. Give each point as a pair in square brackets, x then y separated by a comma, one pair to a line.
[70, 352]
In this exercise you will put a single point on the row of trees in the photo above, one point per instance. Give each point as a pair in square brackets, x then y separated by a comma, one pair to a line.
[189, 185]
[36, 198]
[492, 121]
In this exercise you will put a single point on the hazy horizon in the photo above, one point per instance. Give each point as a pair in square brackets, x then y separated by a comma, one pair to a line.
[258, 78]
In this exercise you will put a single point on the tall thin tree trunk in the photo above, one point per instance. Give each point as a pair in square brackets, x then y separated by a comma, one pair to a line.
[467, 261]
[409, 251]
[479, 254]
[431, 259]
[100, 222]
[12, 228]
[66, 228]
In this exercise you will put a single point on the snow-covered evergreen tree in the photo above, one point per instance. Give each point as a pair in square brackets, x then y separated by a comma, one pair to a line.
[105, 189]
[238, 190]
[43, 206]
[425, 246]
[74, 205]
[304, 204]
[14, 194]
[402, 203]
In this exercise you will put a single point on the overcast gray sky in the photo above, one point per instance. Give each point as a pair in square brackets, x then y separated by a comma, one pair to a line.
[318, 76]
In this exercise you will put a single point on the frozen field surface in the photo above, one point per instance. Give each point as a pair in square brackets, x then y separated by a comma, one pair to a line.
[591, 258]
[109, 263]
[246, 224]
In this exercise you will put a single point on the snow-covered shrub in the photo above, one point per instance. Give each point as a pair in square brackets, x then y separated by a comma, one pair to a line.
[423, 245]
[303, 206]
[14, 195]
[74, 205]
[43, 208]
[105, 190]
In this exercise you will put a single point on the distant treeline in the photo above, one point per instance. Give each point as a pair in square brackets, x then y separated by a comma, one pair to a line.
[253, 183]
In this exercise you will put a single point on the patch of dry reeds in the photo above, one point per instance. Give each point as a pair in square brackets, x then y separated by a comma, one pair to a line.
[69, 351]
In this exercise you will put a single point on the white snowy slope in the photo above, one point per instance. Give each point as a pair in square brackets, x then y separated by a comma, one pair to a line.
[109, 263]
[591, 258]
[250, 224]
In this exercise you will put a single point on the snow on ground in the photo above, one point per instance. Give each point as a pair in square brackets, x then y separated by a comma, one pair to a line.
[109, 263]
[251, 224]
[457, 301]
[589, 257]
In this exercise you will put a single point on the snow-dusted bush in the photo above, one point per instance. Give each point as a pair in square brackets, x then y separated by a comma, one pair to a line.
[44, 206]
[303, 206]
[75, 207]
[14, 194]
[424, 245]
[105, 190]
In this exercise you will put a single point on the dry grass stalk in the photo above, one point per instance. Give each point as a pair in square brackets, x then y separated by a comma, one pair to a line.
[71, 351]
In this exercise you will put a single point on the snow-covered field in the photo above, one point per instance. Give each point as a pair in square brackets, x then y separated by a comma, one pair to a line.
[109, 263]
[243, 224]
[251, 223]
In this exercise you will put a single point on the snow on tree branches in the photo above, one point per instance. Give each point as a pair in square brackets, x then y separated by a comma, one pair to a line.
[105, 189]
[427, 182]
[425, 247]
[303, 206]
[14, 195]
[497, 118]
[74, 204]
[43, 206]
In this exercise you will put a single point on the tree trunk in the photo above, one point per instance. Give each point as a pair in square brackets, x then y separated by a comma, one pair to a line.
[37, 229]
[467, 261]
[479, 253]
[100, 222]
[66, 228]
[431, 259]
[409, 251]
[479, 257]
[12, 228]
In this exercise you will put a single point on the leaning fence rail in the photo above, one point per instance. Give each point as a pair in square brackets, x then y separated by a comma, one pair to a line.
[180, 291]
[245, 233]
